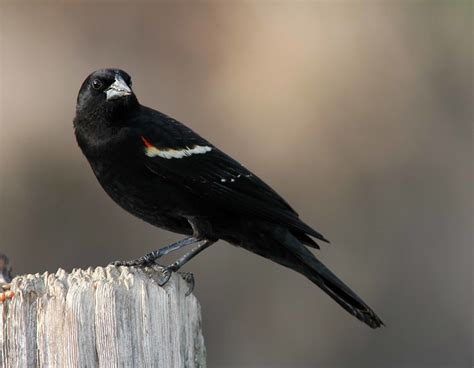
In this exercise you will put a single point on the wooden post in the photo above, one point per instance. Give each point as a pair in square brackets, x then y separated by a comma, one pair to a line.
[101, 317]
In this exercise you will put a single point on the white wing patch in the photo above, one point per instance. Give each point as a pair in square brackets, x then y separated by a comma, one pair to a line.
[152, 151]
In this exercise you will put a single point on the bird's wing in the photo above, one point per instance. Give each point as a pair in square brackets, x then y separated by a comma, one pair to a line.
[176, 153]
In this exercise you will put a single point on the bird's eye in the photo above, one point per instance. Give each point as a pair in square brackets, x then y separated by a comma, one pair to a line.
[96, 84]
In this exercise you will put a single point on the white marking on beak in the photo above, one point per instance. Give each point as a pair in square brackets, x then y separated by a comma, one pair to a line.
[118, 89]
[176, 153]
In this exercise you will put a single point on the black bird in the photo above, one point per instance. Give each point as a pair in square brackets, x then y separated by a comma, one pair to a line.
[164, 173]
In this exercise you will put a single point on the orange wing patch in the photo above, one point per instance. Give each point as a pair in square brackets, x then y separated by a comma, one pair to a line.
[169, 153]
[146, 142]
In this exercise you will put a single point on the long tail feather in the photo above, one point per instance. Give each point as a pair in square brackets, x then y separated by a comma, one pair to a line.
[319, 274]
[344, 296]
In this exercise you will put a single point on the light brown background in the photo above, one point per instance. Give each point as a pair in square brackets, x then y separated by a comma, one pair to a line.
[357, 112]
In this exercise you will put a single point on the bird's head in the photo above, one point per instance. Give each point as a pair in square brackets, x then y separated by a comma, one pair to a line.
[105, 92]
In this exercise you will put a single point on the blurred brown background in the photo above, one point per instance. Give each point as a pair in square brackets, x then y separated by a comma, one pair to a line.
[358, 113]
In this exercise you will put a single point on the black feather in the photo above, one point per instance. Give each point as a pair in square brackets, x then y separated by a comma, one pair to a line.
[164, 173]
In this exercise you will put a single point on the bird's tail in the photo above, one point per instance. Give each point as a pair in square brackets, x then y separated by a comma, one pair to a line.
[319, 274]
[345, 297]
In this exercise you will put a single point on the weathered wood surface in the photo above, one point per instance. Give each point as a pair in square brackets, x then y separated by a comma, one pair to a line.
[102, 317]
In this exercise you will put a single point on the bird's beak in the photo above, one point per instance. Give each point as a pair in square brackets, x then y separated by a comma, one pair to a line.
[118, 89]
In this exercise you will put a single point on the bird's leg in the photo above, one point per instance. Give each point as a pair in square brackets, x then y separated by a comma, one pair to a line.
[150, 258]
[201, 245]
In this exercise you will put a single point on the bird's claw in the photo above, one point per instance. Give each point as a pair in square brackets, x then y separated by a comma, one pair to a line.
[189, 278]
[122, 263]
[165, 276]
[117, 263]
[166, 273]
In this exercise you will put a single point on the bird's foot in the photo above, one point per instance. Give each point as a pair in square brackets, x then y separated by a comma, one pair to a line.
[189, 278]
[165, 275]
[7, 294]
[145, 261]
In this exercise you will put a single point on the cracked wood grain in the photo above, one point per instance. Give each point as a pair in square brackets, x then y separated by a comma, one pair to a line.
[101, 317]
